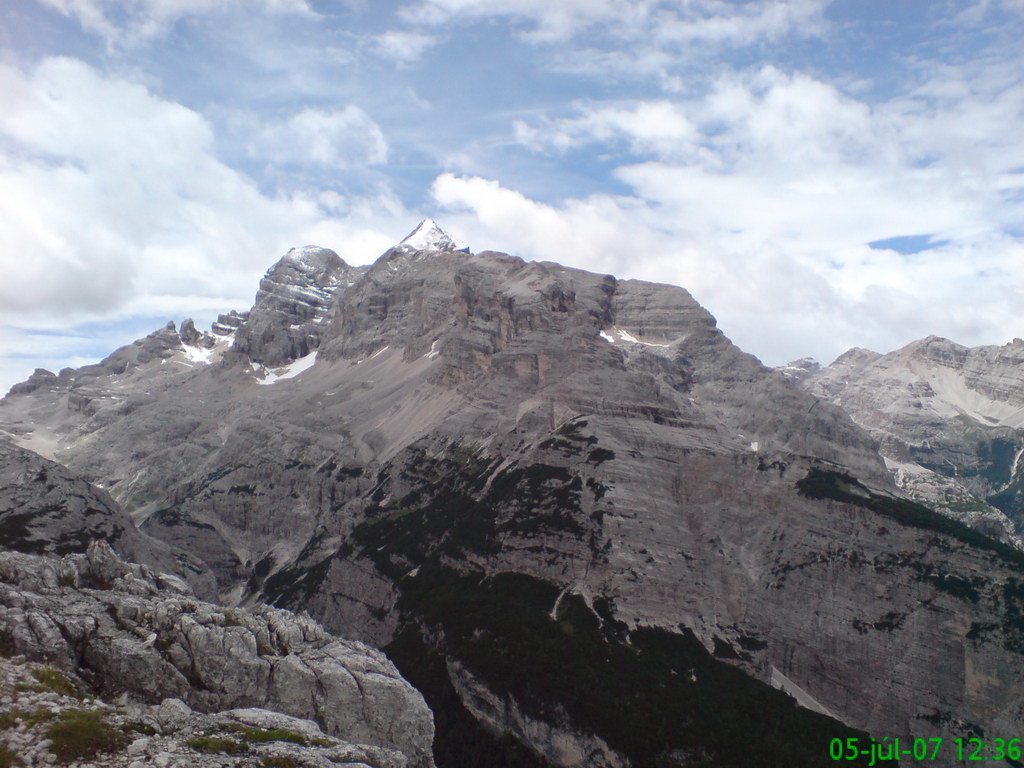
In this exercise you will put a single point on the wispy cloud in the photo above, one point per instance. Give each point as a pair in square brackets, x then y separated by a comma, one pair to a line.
[402, 46]
[126, 24]
[658, 127]
[619, 39]
[337, 138]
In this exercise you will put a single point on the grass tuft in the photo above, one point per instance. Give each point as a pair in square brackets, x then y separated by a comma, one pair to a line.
[7, 758]
[83, 734]
[280, 762]
[209, 745]
[52, 680]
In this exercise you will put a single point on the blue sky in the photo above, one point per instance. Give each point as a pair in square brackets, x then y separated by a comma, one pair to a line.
[819, 174]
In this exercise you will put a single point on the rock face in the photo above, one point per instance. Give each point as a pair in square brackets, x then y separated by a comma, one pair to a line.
[292, 305]
[949, 420]
[574, 513]
[126, 631]
[46, 508]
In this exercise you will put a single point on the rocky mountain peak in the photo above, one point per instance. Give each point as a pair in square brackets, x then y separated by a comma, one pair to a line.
[428, 236]
[311, 259]
[855, 356]
[935, 349]
[293, 302]
[949, 420]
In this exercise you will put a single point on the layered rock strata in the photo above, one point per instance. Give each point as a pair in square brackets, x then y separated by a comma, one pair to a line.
[949, 420]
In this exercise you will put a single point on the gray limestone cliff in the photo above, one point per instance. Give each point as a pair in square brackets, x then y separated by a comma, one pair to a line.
[127, 634]
[46, 508]
[293, 302]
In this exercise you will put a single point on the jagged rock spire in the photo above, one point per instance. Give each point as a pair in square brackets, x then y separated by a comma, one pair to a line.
[429, 237]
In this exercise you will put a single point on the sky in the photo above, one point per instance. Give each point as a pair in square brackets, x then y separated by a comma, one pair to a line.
[819, 174]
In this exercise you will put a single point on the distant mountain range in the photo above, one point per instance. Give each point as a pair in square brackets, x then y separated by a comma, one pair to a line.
[584, 524]
[949, 420]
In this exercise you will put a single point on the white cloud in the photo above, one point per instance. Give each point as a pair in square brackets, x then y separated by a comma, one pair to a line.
[403, 46]
[739, 23]
[770, 157]
[611, 40]
[121, 23]
[114, 204]
[338, 139]
[658, 127]
[552, 20]
[762, 195]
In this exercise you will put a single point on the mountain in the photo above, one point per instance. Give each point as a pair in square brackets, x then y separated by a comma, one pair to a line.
[589, 528]
[949, 420]
[47, 508]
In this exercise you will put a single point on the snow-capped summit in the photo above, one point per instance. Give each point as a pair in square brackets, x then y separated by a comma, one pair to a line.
[311, 258]
[429, 237]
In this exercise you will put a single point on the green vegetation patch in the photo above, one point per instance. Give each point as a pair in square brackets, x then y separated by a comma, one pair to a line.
[138, 727]
[53, 680]
[7, 758]
[280, 761]
[656, 696]
[259, 735]
[450, 513]
[212, 745]
[459, 505]
[83, 734]
[460, 740]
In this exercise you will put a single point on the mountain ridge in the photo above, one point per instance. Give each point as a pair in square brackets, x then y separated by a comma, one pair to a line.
[590, 454]
[948, 418]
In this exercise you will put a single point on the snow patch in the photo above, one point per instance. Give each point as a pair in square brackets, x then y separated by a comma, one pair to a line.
[197, 354]
[309, 255]
[380, 351]
[289, 371]
[433, 349]
[755, 445]
[624, 335]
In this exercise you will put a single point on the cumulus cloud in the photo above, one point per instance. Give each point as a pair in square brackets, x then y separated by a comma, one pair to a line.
[764, 194]
[114, 203]
[779, 156]
[121, 23]
[338, 139]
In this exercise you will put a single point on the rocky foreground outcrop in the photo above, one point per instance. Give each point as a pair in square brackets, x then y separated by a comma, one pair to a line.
[125, 634]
